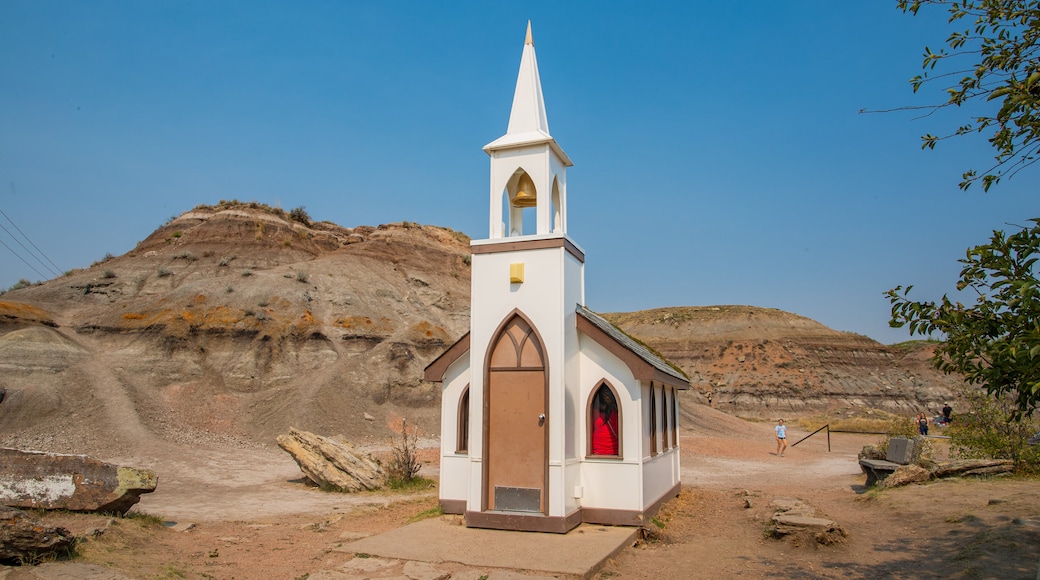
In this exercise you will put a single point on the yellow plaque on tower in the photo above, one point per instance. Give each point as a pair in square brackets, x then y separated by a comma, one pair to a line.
[516, 273]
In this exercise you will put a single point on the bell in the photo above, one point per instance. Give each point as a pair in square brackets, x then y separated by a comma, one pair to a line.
[526, 195]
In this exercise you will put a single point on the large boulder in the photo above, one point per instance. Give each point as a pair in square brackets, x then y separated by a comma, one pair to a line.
[31, 479]
[332, 464]
[24, 540]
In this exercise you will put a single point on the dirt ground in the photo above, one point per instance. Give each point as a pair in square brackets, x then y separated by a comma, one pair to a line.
[226, 513]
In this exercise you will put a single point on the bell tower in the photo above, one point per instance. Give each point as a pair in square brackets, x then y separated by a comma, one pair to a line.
[528, 167]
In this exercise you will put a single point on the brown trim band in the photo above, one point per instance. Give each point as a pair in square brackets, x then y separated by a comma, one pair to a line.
[641, 370]
[453, 506]
[524, 522]
[653, 508]
[530, 245]
[612, 517]
[434, 372]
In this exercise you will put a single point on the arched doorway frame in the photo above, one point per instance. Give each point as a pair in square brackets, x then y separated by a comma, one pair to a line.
[486, 451]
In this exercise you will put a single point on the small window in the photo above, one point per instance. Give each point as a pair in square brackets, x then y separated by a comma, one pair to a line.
[652, 426]
[675, 418]
[666, 435]
[462, 432]
[604, 420]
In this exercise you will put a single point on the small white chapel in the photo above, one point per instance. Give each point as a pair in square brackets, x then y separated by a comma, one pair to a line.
[550, 415]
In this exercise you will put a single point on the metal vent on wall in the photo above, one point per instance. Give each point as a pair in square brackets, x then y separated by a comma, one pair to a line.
[518, 499]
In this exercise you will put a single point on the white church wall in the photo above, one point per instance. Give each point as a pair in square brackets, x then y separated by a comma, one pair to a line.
[660, 474]
[454, 468]
[610, 483]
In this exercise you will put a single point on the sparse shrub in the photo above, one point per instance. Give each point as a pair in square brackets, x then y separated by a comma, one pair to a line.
[467, 259]
[186, 256]
[108, 274]
[987, 431]
[207, 254]
[247, 273]
[22, 283]
[163, 272]
[229, 289]
[301, 276]
[263, 303]
[261, 315]
[299, 214]
[178, 234]
[226, 260]
[403, 464]
[106, 258]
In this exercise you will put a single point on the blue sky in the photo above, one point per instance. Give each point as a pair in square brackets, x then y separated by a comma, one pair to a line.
[719, 154]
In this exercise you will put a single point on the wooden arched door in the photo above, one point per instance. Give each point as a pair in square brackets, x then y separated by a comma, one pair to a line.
[517, 426]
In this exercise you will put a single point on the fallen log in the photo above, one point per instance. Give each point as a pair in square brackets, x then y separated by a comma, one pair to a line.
[967, 467]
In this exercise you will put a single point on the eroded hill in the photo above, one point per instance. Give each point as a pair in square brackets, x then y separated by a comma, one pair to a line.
[767, 363]
[235, 321]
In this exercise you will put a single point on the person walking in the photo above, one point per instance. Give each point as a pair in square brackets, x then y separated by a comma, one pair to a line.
[781, 437]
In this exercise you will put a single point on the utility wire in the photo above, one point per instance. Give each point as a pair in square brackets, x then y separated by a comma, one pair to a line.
[53, 267]
[34, 256]
[42, 276]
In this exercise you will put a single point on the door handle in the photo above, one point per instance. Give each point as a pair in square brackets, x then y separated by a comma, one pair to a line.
[541, 419]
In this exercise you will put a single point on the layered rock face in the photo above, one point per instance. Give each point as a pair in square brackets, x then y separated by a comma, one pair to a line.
[767, 363]
[234, 322]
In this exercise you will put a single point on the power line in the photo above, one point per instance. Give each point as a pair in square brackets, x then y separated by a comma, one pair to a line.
[42, 276]
[54, 269]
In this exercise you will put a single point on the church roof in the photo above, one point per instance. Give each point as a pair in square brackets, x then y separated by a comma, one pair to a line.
[528, 123]
[645, 364]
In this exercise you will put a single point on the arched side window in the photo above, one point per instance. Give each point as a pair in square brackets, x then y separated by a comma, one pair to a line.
[666, 432]
[604, 423]
[462, 428]
[675, 418]
[652, 423]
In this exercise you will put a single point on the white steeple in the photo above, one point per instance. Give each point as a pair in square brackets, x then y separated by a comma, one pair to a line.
[534, 161]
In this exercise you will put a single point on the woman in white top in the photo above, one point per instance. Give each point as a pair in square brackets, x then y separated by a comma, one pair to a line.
[781, 437]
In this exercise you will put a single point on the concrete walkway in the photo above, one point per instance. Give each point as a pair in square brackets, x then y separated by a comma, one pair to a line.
[576, 554]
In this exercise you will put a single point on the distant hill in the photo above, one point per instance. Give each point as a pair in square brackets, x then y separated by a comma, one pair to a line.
[234, 322]
[766, 363]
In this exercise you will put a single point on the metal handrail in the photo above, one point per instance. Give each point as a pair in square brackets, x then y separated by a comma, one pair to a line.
[827, 427]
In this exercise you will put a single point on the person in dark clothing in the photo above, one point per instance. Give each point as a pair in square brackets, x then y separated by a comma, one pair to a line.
[922, 424]
[947, 410]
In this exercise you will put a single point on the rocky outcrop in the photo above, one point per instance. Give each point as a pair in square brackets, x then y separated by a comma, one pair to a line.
[24, 540]
[30, 479]
[798, 520]
[332, 464]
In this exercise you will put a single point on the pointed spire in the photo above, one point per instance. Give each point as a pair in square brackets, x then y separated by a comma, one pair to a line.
[528, 122]
[528, 113]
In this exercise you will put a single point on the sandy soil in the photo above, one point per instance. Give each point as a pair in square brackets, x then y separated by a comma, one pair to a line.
[247, 513]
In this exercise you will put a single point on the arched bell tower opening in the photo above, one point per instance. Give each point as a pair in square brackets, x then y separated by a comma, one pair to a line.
[520, 205]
